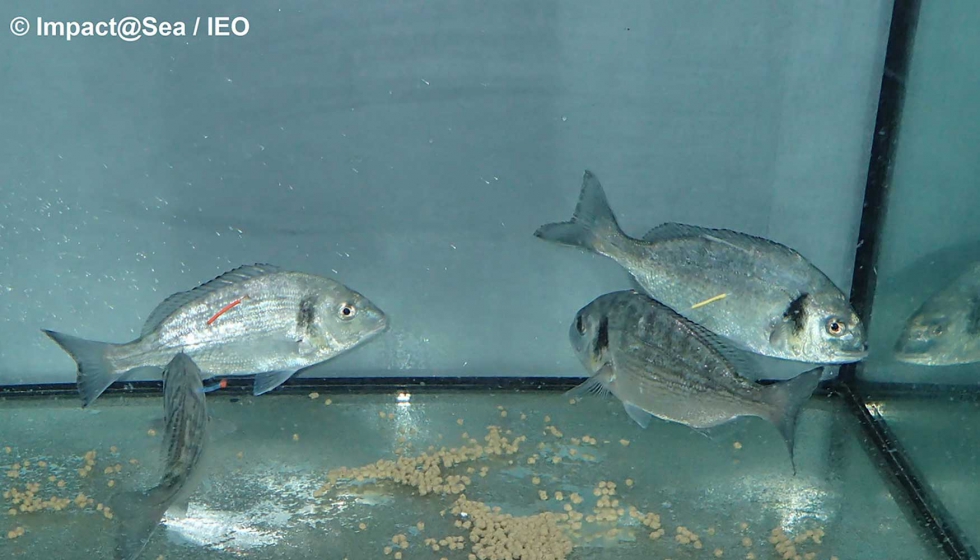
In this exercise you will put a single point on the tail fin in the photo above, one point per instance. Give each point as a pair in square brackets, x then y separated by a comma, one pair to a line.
[593, 226]
[139, 515]
[95, 372]
[787, 400]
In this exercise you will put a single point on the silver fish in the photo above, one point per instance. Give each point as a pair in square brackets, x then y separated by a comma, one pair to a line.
[255, 319]
[185, 440]
[762, 296]
[660, 364]
[945, 330]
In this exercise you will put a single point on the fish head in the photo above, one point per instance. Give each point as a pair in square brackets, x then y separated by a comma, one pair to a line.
[589, 335]
[345, 317]
[940, 335]
[821, 328]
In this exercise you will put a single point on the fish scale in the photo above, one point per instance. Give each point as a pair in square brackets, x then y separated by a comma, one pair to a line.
[682, 352]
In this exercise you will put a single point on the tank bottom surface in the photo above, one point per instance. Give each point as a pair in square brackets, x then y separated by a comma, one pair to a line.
[941, 437]
[454, 475]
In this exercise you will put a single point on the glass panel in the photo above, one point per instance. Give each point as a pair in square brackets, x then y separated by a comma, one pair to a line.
[924, 315]
[921, 376]
[411, 151]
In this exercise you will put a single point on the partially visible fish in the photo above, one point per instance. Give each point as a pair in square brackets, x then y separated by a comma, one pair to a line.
[945, 330]
[761, 295]
[255, 319]
[185, 442]
[660, 364]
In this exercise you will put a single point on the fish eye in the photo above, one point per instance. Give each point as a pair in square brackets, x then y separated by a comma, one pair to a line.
[347, 311]
[836, 327]
[579, 325]
[938, 330]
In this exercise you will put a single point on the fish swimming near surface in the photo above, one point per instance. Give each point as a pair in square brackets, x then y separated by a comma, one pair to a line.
[761, 295]
[185, 442]
[660, 364]
[255, 319]
[945, 330]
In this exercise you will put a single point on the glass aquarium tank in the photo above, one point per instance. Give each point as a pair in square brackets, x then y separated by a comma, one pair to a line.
[490, 280]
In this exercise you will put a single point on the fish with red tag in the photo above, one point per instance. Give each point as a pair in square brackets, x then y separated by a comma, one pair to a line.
[253, 320]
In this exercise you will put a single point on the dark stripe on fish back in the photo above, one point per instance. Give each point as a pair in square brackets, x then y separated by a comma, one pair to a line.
[796, 311]
[307, 314]
[602, 337]
[973, 318]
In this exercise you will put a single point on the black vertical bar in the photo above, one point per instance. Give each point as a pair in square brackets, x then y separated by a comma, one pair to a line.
[898, 55]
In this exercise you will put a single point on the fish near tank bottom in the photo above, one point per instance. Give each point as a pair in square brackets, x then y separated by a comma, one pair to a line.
[412, 471]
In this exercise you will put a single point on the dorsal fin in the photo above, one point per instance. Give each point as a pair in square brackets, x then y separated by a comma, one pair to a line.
[178, 300]
[735, 239]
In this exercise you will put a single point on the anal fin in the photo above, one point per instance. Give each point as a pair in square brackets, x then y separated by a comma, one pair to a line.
[269, 380]
[638, 415]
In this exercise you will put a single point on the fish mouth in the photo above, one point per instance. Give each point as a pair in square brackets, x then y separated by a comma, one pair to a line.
[381, 321]
[919, 359]
[846, 356]
[917, 352]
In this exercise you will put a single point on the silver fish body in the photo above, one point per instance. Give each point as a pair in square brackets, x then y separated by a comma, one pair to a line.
[255, 319]
[185, 442]
[660, 364]
[762, 296]
[945, 329]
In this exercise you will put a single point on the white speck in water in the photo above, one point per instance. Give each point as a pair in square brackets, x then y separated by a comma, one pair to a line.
[564, 118]
[424, 81]
[453, 246]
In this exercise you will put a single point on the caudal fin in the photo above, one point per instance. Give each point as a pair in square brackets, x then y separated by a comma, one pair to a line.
[787, 400]
[592, 227]
[95, 372]
[139, 515]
